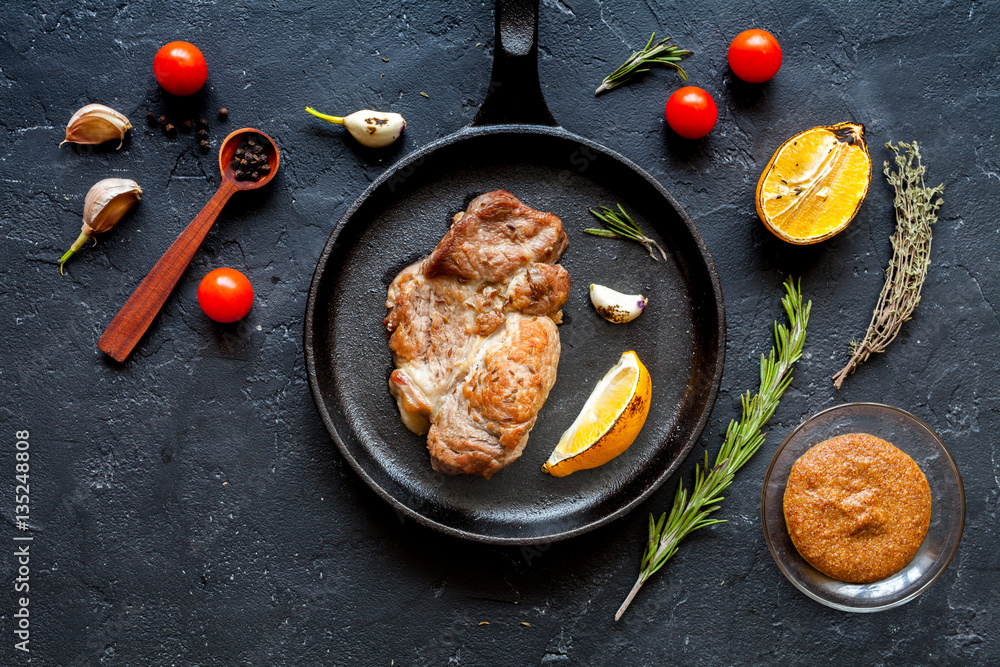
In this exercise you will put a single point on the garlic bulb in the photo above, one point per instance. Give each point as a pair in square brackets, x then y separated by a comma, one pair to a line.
[104, 206]
[95, 124]
[615, 306]
[371, 128]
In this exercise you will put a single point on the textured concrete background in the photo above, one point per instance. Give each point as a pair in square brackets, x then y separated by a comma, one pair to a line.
[189, 508]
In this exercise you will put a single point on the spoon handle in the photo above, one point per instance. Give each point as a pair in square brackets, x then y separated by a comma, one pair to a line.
[141, 309]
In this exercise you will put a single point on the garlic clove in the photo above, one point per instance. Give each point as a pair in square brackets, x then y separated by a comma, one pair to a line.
[95, 124]
[615, 306]
[372, 128]
[106, 203]
[375, 128]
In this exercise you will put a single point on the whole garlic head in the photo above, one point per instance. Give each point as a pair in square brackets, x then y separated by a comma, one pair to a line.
[615, 306]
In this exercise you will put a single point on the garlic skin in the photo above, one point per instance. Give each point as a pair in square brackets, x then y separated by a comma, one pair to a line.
[371, 128]
[616, 307]
[106, 203]
[95, 124]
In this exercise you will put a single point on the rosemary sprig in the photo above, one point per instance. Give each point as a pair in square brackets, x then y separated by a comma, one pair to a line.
[661, 53]
[743, 439]
[916, 211]
[620, 225]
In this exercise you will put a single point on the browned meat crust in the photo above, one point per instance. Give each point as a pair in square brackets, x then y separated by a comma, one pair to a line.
[473, 333]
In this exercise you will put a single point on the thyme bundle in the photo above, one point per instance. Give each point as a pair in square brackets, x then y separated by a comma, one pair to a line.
[916, 210]
[743, 439]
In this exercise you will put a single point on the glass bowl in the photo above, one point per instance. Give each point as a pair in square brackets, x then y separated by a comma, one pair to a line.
[912, 436]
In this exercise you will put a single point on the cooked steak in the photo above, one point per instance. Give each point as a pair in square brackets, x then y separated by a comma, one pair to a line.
[473, 333]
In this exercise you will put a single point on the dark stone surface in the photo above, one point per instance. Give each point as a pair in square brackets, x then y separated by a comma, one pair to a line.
[188, 506]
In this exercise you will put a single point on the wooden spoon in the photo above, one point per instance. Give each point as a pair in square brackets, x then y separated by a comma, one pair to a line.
[140, 310]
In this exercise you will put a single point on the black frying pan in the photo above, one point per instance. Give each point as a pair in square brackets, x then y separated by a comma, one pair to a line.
[515, 144]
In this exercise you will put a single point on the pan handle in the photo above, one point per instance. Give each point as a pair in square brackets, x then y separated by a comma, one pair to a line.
[515, 95]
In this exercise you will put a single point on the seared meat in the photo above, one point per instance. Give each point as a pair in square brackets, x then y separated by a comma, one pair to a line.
[473, 333]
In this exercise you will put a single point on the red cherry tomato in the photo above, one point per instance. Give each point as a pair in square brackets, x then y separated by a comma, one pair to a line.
[755, 56]
[180, 68]
[225, 295]
[691, 112]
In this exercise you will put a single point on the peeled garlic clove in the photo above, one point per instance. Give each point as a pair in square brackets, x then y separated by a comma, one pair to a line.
[615, 306]
[95, 124]
[106, 203]
[372, 128]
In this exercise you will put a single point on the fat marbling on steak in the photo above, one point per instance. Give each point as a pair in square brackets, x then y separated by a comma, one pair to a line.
[473, 333]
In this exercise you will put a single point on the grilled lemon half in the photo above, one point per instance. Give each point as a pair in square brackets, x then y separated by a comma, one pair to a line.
[814, 185]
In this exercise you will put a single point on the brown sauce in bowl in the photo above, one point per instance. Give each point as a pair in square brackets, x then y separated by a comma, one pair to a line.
[857, 508]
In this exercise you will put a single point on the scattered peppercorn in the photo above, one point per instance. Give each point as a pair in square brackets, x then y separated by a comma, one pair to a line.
[170, 130]
[162, 120]
[202, 134]
[151, 119]
[186, 126]
[202, 124]
[203, 146]
[223, 113]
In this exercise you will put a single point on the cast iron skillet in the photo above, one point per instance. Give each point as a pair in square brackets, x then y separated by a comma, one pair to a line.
[514, 144]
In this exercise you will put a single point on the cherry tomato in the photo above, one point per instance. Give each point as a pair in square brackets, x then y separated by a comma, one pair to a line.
[180, 68]
[225, 295]
[755, 56]
[691, 112]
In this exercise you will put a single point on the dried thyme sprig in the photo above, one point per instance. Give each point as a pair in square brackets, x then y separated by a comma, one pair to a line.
[743, 439]
[620, 225]
[916, 211]
[661, 53]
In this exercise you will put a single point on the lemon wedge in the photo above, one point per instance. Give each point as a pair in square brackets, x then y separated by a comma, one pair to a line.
[609, 421]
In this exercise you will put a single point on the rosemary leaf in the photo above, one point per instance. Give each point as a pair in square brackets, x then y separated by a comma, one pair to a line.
[619, 224]
[661, 53]
[743, 439]
[601, 232]
[916, 210]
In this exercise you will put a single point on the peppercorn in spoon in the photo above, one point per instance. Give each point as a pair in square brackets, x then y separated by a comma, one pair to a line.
[248, 159]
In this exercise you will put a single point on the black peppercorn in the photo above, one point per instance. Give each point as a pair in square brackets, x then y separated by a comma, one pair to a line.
[170, 130]
[186, 126]
[223, 113]
[202, 134]
[162, 120]
[203, 145]
[249, 161]
[151, 119]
